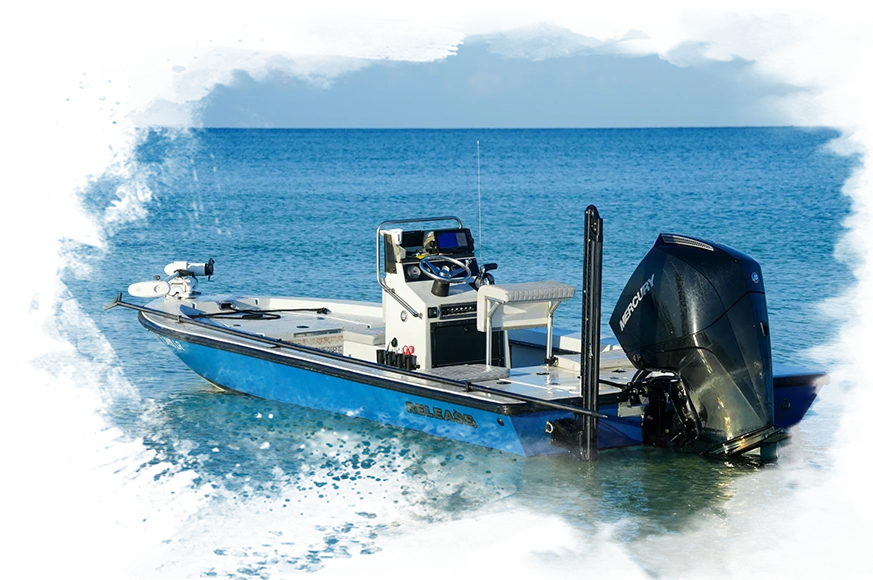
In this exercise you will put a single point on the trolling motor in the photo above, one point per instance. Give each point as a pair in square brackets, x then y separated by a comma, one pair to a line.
[695, 311]
[180, 283]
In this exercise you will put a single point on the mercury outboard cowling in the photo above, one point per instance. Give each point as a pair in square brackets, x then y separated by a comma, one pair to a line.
[698, 309]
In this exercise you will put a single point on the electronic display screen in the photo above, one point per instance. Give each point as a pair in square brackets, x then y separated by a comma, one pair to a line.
[453, 240]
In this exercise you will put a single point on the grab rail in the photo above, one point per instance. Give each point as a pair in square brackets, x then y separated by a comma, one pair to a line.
[390, 291]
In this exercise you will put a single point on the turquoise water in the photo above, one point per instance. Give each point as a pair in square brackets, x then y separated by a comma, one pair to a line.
[293, 212]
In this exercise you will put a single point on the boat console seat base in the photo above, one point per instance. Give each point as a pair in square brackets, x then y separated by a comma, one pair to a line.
[370, 336]
[515, 306]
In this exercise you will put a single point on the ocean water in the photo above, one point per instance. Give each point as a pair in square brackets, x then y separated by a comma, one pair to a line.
[293, 212]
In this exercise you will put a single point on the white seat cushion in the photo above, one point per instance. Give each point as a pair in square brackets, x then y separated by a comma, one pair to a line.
[528, 291]
[524, 305]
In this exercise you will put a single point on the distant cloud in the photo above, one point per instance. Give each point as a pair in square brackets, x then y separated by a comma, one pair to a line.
[536, 75]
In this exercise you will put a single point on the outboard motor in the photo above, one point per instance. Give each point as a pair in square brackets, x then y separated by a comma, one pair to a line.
[697, 309]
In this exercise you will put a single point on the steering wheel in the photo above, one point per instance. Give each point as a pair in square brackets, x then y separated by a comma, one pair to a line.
[455, 276]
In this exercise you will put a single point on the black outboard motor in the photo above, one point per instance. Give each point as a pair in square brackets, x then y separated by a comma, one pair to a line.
[698, 309]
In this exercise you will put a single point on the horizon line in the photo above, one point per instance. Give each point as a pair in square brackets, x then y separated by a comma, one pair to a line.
[226, 128]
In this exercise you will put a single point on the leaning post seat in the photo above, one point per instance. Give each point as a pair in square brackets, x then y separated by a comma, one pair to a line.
[515, 306]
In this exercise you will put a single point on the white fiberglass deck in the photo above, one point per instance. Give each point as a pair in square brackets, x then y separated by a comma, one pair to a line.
[284, 319]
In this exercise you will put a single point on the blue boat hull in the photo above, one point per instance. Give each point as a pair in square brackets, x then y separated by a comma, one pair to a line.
[338, 384]
[518, 433]
[791, 404]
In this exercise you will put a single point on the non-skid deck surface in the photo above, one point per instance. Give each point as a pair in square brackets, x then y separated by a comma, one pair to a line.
[548, 384]
[470, 373]
[316, 331]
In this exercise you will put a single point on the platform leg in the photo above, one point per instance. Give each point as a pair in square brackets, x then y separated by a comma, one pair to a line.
[549, 327]
[488, 313]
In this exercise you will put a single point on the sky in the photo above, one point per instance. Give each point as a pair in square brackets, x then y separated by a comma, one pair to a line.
[509, 69]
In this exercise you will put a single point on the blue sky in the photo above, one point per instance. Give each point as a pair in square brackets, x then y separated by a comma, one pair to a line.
[493, 83]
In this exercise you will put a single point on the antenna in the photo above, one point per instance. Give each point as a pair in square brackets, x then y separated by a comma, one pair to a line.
[479, 189]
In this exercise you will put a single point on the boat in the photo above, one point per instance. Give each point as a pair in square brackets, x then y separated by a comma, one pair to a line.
[454, 354]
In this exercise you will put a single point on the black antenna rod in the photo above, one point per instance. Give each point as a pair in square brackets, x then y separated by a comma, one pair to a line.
[481, 241]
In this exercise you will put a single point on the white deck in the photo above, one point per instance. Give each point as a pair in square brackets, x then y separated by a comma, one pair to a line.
[350, 323]
[361, 322]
